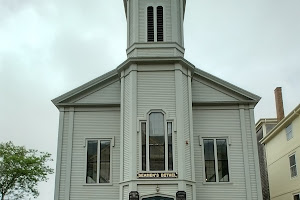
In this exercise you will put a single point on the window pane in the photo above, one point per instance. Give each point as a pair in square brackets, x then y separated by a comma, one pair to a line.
[156, 141]
[91, 174]
[150, 24]
[292, 160]
[297, 197]
[143, 132]
[209, 157]
[293, 171]
[160, 24]
[289, 132]
[170, 150]
[104, 162]
[222, 160]
[289, 135]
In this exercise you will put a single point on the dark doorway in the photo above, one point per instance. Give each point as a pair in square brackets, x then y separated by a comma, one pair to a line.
[158, 198]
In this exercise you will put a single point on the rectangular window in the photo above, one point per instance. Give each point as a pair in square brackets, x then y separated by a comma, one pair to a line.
[98, 164]
[143, 127]
[289, 132]
[170, 148]
[216, 160]
[297, 197]
[293, 165]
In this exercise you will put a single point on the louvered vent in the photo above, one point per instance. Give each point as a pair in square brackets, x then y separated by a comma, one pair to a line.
[150, 24]
[160, 24]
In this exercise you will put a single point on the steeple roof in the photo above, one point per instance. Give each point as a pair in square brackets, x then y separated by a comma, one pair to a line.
[125, 6]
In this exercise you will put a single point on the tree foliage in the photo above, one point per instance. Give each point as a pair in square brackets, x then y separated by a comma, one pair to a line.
[21, 170]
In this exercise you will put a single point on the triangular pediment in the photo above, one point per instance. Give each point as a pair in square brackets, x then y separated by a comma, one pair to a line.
[207, 88]
[110, 93]
[104, 90]
[203, 93]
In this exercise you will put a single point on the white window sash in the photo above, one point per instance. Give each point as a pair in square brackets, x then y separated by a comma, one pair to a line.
[293, 166]
[216, 158]
[111, 139]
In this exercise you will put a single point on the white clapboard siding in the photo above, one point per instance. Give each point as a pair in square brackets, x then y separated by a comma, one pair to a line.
[156, 90]
[179, 25]
[203, 93]
[167, 52]
[142, 21]
[126, 136]
[252, 170]
[111, 94]
[189, 192]
[100, 124]
[167, 21]
[63, 165]
[131, 25]
[216, 123]
[186, 117]
[169, 190]
[126, 192]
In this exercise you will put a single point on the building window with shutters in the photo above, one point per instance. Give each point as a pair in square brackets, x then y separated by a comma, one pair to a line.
[156, 143]
[155, 24]
[293, 165]
[98, 161]
[215, 153]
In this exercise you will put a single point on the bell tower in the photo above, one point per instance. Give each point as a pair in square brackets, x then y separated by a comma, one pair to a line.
[155, 28]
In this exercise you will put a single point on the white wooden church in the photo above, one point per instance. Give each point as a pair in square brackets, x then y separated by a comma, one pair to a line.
[156, 127]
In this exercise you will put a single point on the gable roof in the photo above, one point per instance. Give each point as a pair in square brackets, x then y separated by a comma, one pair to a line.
[73, 97]
[282, 124]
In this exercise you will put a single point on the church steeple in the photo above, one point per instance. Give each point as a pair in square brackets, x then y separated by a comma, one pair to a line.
[155, 28]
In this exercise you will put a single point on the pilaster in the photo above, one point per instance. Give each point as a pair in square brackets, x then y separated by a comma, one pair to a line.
[59, 151]
[245, 152]
[180, 125]
[69, 153]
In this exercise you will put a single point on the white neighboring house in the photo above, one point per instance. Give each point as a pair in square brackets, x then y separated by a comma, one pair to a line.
[156, 127]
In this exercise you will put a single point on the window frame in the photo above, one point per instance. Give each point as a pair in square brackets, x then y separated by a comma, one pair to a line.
[289, 134]
[166, 121]
[228, 143]
[295, 165]
[99, 139]
[294, 195]
[155, 6]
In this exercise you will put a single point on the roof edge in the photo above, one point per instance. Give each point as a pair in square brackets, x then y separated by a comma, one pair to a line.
[291, 116]
[265, 120]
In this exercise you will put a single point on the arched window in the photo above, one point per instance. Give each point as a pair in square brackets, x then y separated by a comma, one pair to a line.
[157, 145]
[155, 24]
[160, 24]
[150, 24]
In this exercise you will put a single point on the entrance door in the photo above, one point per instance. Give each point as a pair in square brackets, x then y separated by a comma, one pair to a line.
[158, 198]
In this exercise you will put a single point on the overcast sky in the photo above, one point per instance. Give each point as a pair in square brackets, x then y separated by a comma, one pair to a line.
[50, 47]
